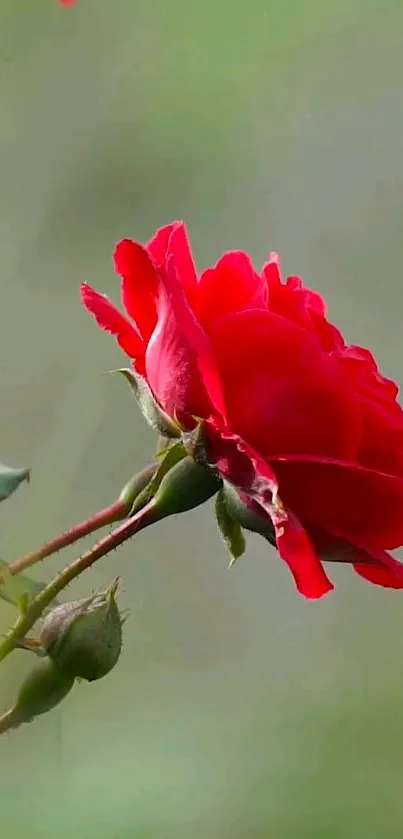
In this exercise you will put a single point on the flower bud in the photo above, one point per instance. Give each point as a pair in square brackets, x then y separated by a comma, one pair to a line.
[187, 485]
[43, 689]
[137, 484]
[84, 638]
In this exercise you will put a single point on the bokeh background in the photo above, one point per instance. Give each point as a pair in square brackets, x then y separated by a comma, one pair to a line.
[238, 710]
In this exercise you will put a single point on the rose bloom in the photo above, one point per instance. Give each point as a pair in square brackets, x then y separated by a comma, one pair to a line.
[304, 426]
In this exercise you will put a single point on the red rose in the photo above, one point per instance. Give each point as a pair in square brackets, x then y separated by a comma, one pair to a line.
[304, 426]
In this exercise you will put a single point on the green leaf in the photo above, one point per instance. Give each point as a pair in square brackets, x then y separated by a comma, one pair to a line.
[18, 589]
[155, 416]
[230, 529]
[10, 479]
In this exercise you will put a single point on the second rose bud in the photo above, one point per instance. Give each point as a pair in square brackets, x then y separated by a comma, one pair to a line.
[83, 638]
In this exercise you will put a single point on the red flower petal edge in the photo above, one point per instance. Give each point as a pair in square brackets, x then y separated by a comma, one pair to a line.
[376, 566]
[111, 320]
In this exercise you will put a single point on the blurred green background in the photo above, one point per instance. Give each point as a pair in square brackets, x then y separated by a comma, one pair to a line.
[237, 709]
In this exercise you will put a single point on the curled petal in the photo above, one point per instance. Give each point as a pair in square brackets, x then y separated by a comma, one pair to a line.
[231, 286]
[179, 253]
[111, 320]
[376, 566]
[295, 547]
[158, 245]
[139, 286]
[239, 464]
[179, 363]
[382, 417]
[361, 505]
[300, 305]
[171, 243]
[384, 570]
[362, 368]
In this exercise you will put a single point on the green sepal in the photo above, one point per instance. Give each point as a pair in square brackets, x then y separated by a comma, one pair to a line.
[230, 529]
[152, 412]
[194, 442]
[245, 517]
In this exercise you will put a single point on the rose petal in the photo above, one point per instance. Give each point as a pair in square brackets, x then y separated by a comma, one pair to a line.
[111, 320]
[382, 417]
[232, 285]
[291, 298]
[383, 571]
[178, 252]
[157, 246]
[362, 368]
[239, 464]
[140, 268]
[283, 394]
[296, 549]
[376, 566]
[347, 500]
[140, 284]
[300, 305]
[179, 362]
[272, 272]
[381, 445]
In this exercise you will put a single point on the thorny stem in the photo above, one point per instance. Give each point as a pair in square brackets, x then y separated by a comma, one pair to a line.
[115, 512]
[113, 540]
[109, 515]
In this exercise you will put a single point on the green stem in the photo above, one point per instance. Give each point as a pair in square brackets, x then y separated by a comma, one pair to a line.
[35, 609]
[9, 720]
